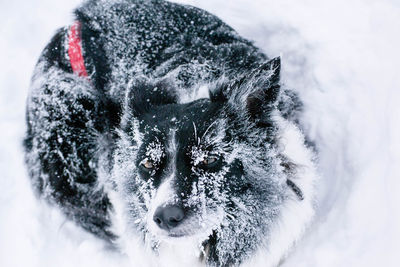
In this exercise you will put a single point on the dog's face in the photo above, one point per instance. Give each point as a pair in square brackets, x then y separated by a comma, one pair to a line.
[183, 161]
[205, 168]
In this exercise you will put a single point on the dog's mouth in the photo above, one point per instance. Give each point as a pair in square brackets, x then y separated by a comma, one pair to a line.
[185, 231]
[178, 235]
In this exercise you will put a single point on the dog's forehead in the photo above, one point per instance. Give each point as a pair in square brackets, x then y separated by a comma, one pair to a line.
[183, 120]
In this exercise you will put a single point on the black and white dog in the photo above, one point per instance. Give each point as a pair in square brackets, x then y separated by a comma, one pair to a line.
[156, 127]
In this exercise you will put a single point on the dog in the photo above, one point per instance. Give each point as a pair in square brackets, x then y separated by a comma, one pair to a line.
[155, 126]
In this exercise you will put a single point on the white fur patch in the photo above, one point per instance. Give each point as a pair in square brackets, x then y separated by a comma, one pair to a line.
[164, 195]
[295, 215]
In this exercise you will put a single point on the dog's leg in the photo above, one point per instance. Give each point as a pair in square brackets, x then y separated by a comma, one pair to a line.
[65, 118]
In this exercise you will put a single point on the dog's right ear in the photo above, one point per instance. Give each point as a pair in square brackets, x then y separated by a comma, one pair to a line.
[143, 95]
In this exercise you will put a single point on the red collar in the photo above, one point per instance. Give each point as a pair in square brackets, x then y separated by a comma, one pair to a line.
[75, 50]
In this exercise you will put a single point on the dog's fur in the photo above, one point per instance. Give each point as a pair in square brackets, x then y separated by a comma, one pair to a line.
[174, 86]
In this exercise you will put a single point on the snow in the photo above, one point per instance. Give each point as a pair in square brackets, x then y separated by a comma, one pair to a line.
[343, 58]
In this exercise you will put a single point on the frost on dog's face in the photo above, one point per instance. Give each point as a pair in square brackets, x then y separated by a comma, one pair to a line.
[204, 170]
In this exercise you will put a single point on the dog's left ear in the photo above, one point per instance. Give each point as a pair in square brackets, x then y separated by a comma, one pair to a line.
[265, 82]
[255, 93]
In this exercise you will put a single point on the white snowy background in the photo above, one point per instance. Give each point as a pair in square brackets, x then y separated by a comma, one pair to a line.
[341, 55]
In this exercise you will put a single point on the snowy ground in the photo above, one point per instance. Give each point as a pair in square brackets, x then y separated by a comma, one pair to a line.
[343, 58]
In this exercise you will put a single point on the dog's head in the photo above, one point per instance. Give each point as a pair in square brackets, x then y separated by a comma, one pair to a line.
[208, 168]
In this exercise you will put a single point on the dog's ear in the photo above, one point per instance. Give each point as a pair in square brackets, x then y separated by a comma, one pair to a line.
[265, 82]
[255, 93]
[143, 95]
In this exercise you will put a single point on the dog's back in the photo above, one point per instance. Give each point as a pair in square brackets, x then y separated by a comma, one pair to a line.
[158, 38]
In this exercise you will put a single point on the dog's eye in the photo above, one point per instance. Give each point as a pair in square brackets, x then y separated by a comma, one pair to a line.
[209, 160]
[148, 164]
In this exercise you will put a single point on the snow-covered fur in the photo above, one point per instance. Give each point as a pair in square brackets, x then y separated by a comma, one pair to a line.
[181, 116]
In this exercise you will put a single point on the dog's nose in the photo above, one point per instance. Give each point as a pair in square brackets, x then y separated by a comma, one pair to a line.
[168, 217]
